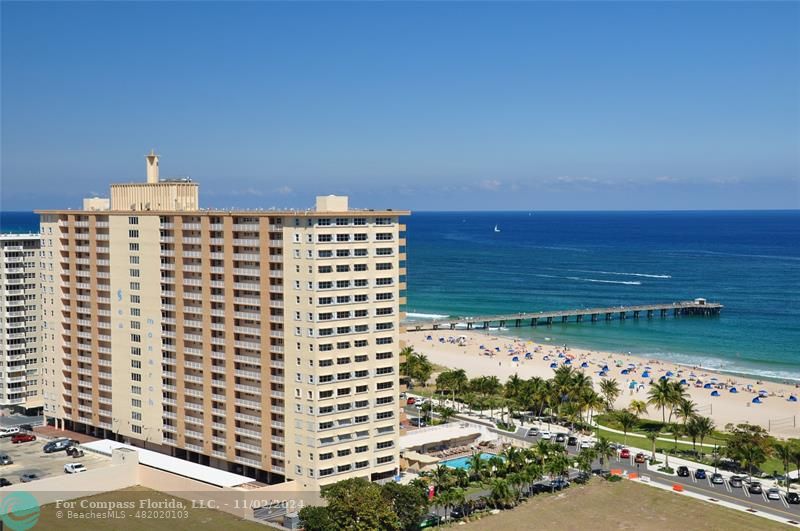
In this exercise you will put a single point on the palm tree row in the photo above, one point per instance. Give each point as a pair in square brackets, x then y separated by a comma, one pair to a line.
[511, 474]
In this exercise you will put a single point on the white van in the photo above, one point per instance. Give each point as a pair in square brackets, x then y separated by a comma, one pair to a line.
[8, 432]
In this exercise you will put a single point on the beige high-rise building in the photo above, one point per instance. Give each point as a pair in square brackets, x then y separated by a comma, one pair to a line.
[261, 342]
[20, 333]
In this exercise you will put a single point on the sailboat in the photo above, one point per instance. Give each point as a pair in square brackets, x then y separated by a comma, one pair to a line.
[496, 229]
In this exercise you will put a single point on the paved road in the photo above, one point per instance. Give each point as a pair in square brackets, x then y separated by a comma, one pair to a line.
[17, 420]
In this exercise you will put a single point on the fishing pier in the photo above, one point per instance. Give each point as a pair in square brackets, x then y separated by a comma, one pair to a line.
[649, 311]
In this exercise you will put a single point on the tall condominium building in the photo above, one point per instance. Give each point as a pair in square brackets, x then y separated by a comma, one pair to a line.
[261, 342]
[19, 321]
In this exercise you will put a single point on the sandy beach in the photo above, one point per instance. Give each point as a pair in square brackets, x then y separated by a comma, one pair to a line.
[486, 354]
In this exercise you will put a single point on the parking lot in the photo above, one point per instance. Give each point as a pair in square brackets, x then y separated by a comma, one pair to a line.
[29, 457]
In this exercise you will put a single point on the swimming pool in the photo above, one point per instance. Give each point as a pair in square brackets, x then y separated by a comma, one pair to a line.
[463, 462]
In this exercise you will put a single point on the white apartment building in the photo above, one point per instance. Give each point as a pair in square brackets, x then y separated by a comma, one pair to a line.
[20, 322]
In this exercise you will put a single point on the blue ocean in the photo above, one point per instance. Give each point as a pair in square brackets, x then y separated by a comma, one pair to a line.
[749, 261]
[458, 265]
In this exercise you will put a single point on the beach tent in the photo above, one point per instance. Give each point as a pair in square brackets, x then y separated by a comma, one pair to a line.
[546, 358]
[584, 365]
[714, 393]
[515, 358]
[707, 386]
[528, 356]
[632, 385]
[603, 373]
[605, 367]
[792, 398]
[560, 354]
[756, 400]
[763, 392]
[648, 368]
[645, 374]
[568, 362]
[733, 390]
[497, 349]
[429, 338]
[554, 365]
[663, 378]
[669, 373]
[624, 371]
[683, 382]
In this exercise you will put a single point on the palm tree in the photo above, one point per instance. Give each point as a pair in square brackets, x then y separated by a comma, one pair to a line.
[627, 420]
[441, 477]
[638, 407]
[445, 413]
[705, 427]
[604, 450]
[459, 382]
[691, 429]
[677, 394]
[652, 436]
[500, 492]
[557, 465]
[660, 395]
[783, 451]
[477, 466]
[685, 409]
[585, 459]
[592, 402]
[610, 389]
[676, 430]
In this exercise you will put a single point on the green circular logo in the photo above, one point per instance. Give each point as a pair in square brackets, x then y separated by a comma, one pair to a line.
[19, 510]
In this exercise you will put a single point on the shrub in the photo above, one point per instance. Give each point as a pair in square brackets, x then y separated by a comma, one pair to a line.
[667, 470]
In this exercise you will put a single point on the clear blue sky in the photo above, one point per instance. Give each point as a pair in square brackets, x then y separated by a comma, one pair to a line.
[531, 106]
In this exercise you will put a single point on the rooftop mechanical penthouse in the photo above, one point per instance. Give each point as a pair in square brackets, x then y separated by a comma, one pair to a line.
[260, 342]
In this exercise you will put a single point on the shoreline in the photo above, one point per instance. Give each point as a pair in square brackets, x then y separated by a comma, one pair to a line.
[663, 357]
[775, 412]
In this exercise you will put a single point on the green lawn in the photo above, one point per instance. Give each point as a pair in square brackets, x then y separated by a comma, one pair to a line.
[645, 425]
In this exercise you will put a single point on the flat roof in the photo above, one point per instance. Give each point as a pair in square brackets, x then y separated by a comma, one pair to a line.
[436, 434]
[174, 465]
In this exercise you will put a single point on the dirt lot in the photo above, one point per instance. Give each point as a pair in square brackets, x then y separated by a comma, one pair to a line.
[623, 505]
[29, 457]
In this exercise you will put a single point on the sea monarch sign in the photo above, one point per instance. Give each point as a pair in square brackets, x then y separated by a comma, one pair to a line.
[19, 511]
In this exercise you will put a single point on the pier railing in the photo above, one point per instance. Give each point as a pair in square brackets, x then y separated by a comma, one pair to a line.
[649, 311]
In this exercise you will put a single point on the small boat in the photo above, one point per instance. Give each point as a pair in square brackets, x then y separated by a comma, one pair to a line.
[496, 229]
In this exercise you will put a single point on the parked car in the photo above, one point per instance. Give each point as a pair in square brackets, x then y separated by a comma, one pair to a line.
[545, 435]
[587, 443]
[411, 401]
[699, 474]
[5, 483]
[735, 482]
[26, 427]
[57, 445]
[9, 431]
[28, 477]
[755, 488]
[717, 479]
[773, 494]
[74, 451]
[5, 459]
[559, 483]
[683, 471]
[533, 432]
[417, 422]
[792, 497]
[23, 437]
[459, 512]
[74, 468]
[560, 438]
[429, 520]
[625, 453]
[640, 458]
[572, 441]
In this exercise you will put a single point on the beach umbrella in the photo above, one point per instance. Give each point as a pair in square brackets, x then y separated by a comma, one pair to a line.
[632, 385]
[624, 371]
[763, 392]
[707, 386]
[714, 393]
[546, 358]
[528, 356]
[756, 400]
[554, 365]
[584, 365]
[647, 367]
[733, 390]
[560, 354]
[605, 367]
[481, 347]
[515, 358]
[792, 398]
[497, 349]
[645, 374]
[568, 362]
[713, 379]
[669, 373]
[683, 382]
[663, 378]
[603, 373]
[430, 338]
